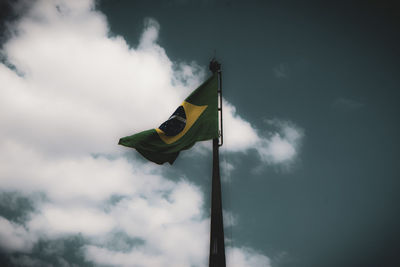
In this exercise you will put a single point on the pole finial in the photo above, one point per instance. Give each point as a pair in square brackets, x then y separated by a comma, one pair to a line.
[214, 66]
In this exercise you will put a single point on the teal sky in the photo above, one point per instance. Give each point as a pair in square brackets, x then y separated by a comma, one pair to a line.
[330, 69]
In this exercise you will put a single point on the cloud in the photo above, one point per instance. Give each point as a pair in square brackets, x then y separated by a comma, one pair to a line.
[32, 262]
[244, 256]
[69, 92]
[282, 145]
[14, 237]
[168, 224]
[279, 146]
[230, 219]
[226, 170]
[239, 135]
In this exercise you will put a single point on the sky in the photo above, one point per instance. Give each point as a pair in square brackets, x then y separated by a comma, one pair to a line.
[310, 161]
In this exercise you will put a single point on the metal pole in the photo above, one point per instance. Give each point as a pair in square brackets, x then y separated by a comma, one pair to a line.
[217, 242]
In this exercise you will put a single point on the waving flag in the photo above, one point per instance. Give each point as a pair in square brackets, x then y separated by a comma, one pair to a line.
[196, 119]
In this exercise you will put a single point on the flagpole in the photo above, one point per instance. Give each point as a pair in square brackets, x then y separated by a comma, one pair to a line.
[217, 242]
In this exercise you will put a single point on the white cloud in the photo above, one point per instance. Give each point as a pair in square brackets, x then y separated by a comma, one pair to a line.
[239, 135]
[282, 145]
[278, 147]
[226, 170]
[80, 91]
[14, 237]
[246, 257]
[55, 220]
[230, 219]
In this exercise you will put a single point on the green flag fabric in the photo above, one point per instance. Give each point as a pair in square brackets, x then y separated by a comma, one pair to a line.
[196, 119]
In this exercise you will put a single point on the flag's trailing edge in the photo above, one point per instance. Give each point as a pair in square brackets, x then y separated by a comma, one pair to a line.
[196, 119]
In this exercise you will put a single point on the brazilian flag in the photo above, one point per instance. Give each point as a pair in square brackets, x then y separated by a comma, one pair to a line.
[196, 119]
